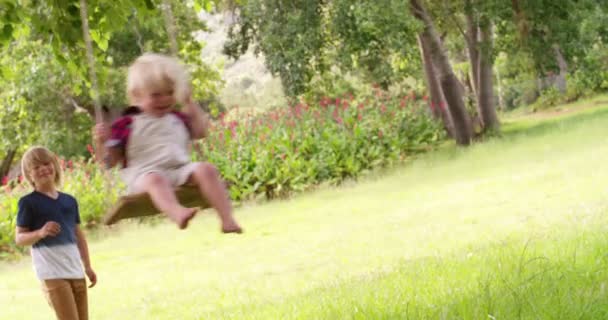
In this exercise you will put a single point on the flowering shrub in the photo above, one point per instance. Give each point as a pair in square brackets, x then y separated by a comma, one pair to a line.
[286, 150]
[270, 154]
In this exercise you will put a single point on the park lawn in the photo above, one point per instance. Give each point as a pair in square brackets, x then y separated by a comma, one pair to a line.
[513, 227]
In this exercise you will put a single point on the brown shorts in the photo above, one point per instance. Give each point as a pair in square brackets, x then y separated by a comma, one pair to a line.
[67, 297]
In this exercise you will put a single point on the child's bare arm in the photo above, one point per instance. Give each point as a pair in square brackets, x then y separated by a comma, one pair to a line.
[26, 237]
[83, 248]
[199, 120]
[103, 154]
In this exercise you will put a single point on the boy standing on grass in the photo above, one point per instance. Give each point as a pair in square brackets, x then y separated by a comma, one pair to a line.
[48, 220]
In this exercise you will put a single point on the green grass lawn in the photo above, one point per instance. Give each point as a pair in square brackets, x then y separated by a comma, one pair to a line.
[512, 228]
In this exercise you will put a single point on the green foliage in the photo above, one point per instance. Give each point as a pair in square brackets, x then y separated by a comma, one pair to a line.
[302, 40]
[377, 37]
[34, 106]
[549, 97]
[591, 76]
[289, 33]
[46, 96]
[287, 150]
[275, 153]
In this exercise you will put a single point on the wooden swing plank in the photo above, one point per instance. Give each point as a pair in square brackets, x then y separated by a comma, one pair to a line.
[140, 205]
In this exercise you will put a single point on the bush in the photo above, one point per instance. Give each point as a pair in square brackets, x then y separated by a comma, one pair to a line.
[286, 150]
[271, 154]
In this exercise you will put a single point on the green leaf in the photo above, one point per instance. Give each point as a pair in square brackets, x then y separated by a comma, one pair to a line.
[7, 32]
[149, 4]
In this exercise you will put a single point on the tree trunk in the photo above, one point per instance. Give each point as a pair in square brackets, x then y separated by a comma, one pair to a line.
[560, 80]
[520, 20]
[487, 109]
[472, 40]
[447, 79]
[437, 99]
[501, 100]
[7, 162]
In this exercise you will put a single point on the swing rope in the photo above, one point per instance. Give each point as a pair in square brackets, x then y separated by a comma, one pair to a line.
[170, 26]
[84, 17]
[136, 205]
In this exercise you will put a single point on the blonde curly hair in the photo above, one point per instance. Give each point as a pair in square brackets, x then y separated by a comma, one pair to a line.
[156, 72]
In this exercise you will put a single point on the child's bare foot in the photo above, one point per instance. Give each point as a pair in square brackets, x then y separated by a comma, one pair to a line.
[231, 227]
[184, 217]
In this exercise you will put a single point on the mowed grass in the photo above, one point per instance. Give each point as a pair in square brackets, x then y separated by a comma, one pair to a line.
[511, 228]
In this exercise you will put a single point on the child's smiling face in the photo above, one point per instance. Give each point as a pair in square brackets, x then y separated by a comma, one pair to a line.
[42, 173]
[157, 102]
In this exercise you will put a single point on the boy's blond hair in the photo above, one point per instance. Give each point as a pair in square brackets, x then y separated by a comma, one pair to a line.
[37, 156]
[156, 72]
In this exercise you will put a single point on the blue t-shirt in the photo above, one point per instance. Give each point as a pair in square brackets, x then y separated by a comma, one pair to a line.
[55, 257]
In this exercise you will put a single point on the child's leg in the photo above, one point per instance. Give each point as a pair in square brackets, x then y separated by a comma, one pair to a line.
[207, 178]
[79, 289]
[61, 298]
[163, 196]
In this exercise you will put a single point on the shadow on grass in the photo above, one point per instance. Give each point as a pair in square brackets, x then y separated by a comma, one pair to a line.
[538, 127]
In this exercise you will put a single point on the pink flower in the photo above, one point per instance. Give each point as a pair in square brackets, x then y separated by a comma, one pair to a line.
[5, 180]
[90, 149]
[324, 102]
[345, 104]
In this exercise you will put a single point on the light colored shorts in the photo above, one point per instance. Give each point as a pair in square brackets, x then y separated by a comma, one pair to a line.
[177, 177]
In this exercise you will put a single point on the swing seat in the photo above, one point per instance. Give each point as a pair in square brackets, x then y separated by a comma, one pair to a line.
[140, 205]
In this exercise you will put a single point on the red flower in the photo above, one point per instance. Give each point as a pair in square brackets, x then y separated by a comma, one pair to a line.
[5, 180]
[325, 101]
[90, 149]
[345, 104]
[274, 116]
